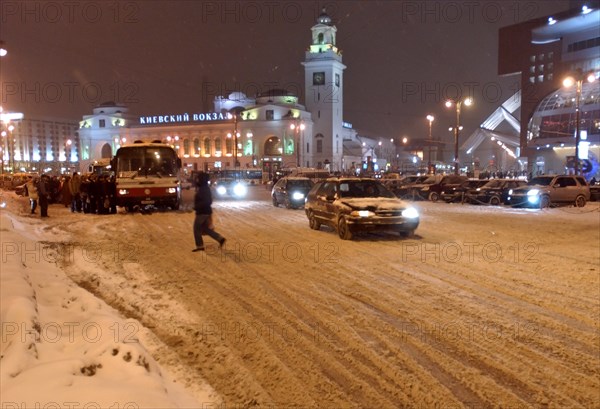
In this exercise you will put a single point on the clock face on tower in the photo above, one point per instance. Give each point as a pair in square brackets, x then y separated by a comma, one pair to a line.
[318, 78]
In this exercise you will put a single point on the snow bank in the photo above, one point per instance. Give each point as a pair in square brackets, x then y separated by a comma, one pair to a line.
[62, 347]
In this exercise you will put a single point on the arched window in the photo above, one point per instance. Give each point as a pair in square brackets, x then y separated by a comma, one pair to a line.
[229, 145]
[207, 146]
[218, 145]
[319, 142]
[196, 146]
[106, 151]
[320, 38]
[186, 147]
[273, 146]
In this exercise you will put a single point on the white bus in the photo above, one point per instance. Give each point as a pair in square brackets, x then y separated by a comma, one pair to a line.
[147, 174]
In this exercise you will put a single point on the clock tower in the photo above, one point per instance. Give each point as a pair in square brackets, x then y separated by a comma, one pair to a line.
[323, 87]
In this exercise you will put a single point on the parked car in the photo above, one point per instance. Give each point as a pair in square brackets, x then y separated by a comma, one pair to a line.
[494, 192]
[230, 187]
[291, 191]
[546, 190]
[458, 193]
[433, 190]
[352, 205]
[407, 187]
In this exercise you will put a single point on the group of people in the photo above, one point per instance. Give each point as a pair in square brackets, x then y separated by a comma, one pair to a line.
[89, 193]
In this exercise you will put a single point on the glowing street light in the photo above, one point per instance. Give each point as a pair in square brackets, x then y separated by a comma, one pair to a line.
[457, 104]
[568, 82]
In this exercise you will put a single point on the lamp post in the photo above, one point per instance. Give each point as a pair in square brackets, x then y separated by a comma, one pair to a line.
[430, 118]
[458, 104]
[297, 127]
[235, 136]
[568, 82]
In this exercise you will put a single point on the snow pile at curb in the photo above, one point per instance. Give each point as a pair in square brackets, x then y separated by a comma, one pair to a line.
[62, 347]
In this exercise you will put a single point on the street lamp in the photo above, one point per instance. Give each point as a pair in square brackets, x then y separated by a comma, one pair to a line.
[457, 104]
[297, 128]
[568, 82]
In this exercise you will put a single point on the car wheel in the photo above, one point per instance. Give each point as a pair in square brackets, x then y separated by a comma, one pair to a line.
[495, 200]
[544, 202]
[343, 229]
[313, 223]
[580, 201]
[434, 196]
[275, 203]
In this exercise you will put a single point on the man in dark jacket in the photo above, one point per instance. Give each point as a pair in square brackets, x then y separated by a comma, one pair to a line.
[203, 220]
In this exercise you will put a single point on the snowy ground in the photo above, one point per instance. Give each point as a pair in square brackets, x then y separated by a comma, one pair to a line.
[484, 307]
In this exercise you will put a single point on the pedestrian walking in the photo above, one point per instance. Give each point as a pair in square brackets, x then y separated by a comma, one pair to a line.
[203, 208]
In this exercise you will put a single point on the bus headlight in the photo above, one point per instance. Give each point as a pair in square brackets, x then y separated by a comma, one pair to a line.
[123, 192]
[172, 190]
[221, 190]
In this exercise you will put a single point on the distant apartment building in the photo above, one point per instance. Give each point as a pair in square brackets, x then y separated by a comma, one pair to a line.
[40, 145]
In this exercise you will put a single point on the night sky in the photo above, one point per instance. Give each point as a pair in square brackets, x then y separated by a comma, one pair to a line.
[403, 58]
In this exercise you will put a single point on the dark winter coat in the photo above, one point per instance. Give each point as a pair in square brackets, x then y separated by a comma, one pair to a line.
[203, 200]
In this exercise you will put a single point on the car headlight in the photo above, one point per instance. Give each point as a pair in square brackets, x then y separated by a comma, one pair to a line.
[533, 192]
[297, 195]
[410, 213]
[171, 190]
[510, 192]
[222, 190]
[123, 192]
[362, 213]
[239, 190]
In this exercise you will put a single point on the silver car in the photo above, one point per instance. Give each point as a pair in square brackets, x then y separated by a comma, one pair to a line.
[547, 190]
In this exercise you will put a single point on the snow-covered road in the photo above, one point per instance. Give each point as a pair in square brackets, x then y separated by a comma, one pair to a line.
[484, 307]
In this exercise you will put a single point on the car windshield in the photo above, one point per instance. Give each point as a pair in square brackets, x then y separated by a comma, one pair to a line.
[541, 180]
[299, 183]
[493, 184]
[364, 188]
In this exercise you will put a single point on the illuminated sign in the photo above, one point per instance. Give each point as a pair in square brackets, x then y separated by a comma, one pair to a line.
[183, 118]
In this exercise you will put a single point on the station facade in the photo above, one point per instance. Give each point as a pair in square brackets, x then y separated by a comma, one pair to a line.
[268, 131]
